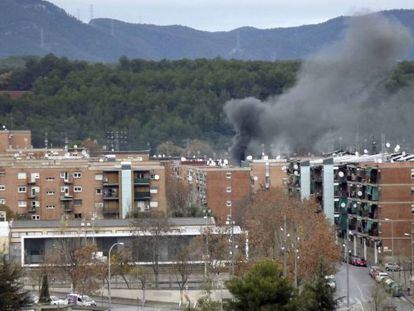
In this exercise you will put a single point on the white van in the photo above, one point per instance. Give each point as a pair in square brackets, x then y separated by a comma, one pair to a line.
[80, 300]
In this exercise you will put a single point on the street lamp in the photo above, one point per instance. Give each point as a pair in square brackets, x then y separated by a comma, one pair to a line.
[109, 272]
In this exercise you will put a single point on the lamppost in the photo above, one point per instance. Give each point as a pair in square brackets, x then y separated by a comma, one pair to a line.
[207, 213]
[109, 272]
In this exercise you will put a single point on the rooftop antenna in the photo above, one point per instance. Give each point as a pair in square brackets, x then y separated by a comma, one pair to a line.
[46, 140]
[66, 143]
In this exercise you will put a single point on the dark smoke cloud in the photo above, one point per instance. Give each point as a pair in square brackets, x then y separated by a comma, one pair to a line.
[339, 95]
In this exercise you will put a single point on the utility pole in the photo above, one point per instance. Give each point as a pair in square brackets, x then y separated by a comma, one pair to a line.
[296, 257]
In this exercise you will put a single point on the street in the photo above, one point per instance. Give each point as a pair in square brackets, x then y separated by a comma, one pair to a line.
[361, 287]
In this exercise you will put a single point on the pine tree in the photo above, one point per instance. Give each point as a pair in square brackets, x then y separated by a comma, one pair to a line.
[12, 295]
[317, 295]
[44, 296]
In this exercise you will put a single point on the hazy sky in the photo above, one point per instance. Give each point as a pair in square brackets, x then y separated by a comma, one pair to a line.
[226, 14]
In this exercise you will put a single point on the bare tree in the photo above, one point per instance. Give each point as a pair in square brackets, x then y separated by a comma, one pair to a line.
[182, 269]
[149, 233]
[144, 276]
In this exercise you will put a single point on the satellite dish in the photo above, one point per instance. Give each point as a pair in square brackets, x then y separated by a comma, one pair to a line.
[295, 166]
[75, 146]
[357, 154]
[284, 168]
[343, 204]
[157, 177]
[397, 148]
[182, 159]
[387, 145]
[225, 162]
[341, 174]
[296, 173]
[255, 178]
[365, 151]
[359, 193]
[249, 158]
[278, 157]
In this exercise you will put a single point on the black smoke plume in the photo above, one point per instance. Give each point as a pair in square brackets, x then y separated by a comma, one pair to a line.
[339, 95]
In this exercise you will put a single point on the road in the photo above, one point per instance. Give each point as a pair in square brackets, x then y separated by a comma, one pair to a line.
[360, 289]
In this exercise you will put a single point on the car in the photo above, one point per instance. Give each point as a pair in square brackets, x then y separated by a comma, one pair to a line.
[80, 300]
[373, 270]
[392, 266]
[380, 276]
[330, 280]
[357, 261]
[33, 299]
[57, 301]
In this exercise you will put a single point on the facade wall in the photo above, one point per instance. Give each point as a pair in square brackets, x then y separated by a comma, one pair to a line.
[226, 190]
[268, 174]
[48, 190]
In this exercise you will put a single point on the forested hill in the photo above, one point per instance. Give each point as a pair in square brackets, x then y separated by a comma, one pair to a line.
[37, 27]
[153, 101]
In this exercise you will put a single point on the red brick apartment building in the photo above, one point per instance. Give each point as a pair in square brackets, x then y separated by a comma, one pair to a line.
[80, 188]
[268, 173]
[11, 140]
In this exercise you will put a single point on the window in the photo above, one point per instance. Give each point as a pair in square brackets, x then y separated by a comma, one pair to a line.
[77, 189]
[2, 173]
[228, 189]
[35, 190]
[154, 204]
[50, 193]
[228, 175]
[412, 173]
[35, 203]
[98, 191]
[21, 189]
[153, 190]
[34, 176]
[98, 204]
[50, 178]
[228, 203]
[98, 177]
[412, 190]
[2, 187]
[21, 175]
[412, 208]
[77, 202]
[78, 215]
[50, 206]
[77, 175]
[64, 175]
[35, 217]
[2, 201]
[21, 203]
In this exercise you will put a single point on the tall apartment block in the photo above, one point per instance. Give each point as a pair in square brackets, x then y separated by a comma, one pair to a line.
[80, 188]
[222, 189]
[374, 195]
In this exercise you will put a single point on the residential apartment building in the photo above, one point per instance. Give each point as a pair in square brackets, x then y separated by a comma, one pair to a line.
[80, 187]
[373, 194]
[220, 188]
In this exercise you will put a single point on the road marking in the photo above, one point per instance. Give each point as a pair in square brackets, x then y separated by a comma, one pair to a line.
[360, 303]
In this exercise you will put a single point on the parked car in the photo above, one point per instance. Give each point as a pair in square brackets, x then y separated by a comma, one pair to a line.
[373, 270]
[380, 276]
[357, 261]
[33, 299]
[330, 280]
[80, 300]
[57, 301]
[392, 266]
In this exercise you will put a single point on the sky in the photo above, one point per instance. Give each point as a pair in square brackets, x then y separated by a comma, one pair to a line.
[216, 15]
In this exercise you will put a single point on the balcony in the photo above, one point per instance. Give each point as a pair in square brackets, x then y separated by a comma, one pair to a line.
[66, 197]
[68, 181]
[31, 195]
[67, 208]
[110, 211]
[142, 181]
[111, 197]
[142, 195]
[32, 210]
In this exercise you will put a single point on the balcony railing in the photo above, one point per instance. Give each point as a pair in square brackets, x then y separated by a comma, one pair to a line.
[111, 197]
[66, 197]
[142, 181]
[142, 195]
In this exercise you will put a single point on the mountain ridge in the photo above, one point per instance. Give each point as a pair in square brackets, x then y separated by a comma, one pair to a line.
[38, 27]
